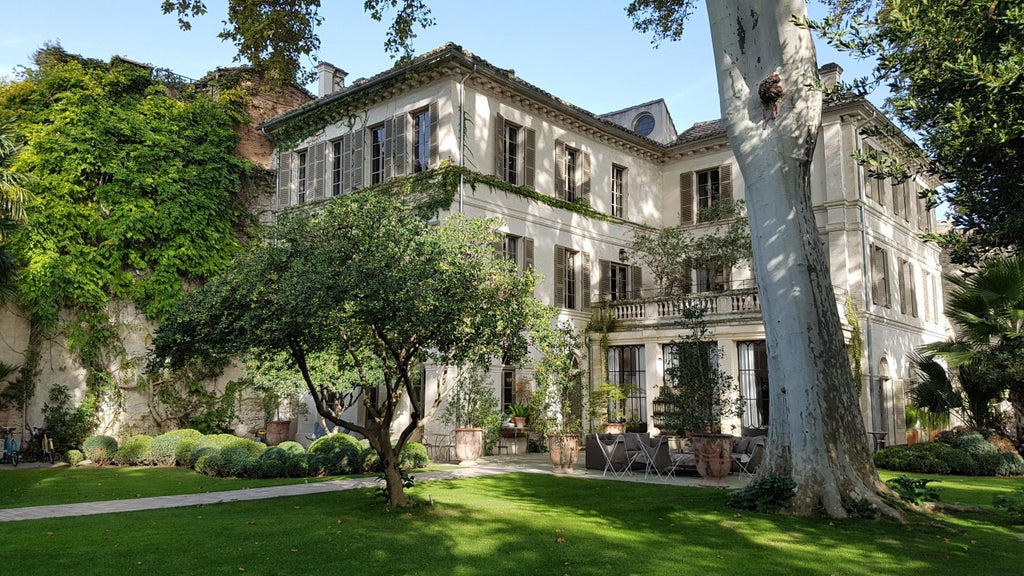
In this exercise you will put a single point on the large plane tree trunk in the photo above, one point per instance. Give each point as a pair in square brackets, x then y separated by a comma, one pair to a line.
[816, 435]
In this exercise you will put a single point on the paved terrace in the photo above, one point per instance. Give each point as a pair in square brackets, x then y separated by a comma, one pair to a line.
[488, 466]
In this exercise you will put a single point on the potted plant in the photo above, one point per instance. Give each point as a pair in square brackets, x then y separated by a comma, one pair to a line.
[557, 404]
[698, 395]
[606, 407]
[518, 413]
[471, 409]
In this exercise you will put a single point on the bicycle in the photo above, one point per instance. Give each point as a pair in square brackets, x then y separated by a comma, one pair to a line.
[10, 454]
[40, 445]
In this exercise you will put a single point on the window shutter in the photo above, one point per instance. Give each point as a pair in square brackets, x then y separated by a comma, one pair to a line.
[585, 280]
[725, 183]
[530, 157]
[527, 253]
[604, 283]
[686, 198]
[585, 186]
[636, 281]
[499, 146]
[559, 277]
[319, 153]
[284, 179]
[560, 169]
[389, 147]
[625, 194]
[400, 152]
[346, 163]
[432, 110]
[358, 142]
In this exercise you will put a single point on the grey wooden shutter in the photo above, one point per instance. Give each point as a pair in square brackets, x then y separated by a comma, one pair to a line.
[604, 283]
[527, 253]
[686, 198]
[559, 169]
[530, 157]
[585, 280]
[318, 154]
[559, 277]
[389, 147]
[284, 178]
[356, 164]
[400, 152]
[434, 144]
[346, 163]
[725, 183]
[585, 185]
[636, 281]
[625, 193]
[499, 146]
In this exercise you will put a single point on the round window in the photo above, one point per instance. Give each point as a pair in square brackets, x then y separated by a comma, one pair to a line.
[643, 124]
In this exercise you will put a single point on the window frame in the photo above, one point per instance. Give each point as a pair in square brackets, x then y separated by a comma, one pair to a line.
[618, 191]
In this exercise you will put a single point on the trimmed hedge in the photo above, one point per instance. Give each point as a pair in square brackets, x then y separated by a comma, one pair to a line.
[74, 457]
[335, 454]
[100, 450]
[135, 451]
[225, 455]
[942, 458]
[164, 446]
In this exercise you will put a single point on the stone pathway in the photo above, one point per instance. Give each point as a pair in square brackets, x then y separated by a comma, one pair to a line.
[531, 463]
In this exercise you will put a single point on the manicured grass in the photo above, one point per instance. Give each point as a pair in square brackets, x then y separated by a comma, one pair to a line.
[510, 524]
[65, 485]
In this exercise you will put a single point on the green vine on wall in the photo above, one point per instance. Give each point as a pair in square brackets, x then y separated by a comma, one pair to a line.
[856, 343]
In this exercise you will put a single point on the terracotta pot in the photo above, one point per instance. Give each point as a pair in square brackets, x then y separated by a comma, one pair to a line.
[519, 421]
[714, 458]
[615, 428]
[912, 436]
[564, 450]
[469, 443]
[278, 431]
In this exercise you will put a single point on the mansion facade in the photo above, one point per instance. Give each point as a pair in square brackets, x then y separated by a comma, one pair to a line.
[574, 187]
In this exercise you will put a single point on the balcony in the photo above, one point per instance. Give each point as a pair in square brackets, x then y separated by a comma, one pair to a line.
[726, 306]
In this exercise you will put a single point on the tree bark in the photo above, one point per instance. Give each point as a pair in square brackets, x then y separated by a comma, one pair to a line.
[816, 435]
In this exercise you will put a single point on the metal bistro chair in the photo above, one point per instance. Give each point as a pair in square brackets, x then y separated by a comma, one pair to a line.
[656, 457]
[615, 457]
[748, 463]
[440, 447]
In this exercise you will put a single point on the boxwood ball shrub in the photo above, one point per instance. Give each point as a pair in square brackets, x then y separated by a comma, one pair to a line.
[335, 454]
[414, 455]
[135, 451]
[164, 445]
[100, 450]
[241, 450]
[287, 459]
[74, 457]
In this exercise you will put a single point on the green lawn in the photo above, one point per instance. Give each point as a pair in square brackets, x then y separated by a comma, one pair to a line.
[514, 524]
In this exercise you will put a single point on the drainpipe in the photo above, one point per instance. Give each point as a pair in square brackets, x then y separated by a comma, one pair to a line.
[866, 249]
[462, 131]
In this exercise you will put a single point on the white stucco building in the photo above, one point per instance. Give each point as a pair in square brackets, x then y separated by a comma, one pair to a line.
[574, 186]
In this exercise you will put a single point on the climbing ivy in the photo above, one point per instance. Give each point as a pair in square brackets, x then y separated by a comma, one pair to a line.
[135, 195]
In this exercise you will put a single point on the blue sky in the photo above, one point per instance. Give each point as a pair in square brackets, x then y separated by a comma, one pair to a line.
[583, 51]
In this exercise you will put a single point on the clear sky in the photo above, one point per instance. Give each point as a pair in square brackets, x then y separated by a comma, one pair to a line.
[583, 51]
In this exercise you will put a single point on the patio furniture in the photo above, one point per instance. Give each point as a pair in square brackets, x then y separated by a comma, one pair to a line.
[655, 457]
[616, 458]
[440, 447]
[749, 461]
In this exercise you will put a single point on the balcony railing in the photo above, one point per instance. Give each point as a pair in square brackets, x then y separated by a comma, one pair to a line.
[729, 304]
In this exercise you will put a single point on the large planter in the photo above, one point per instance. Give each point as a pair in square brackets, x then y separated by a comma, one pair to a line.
[278, 431]
[564, 450]
[714, 458]
[469, 443]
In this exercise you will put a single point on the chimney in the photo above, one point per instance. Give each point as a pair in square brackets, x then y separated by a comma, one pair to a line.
[332, 79]
[830, 74]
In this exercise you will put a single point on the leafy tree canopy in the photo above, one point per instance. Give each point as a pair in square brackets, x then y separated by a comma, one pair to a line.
[135, 187]
[373, 284]
[955, 69]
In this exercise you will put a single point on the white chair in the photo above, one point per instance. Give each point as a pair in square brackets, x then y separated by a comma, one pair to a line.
[615, 457]
[656, 459]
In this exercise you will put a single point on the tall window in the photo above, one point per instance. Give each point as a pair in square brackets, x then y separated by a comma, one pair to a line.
[508, 387]
[377, 137]
[518, 249]
[511, 162]
[618, 191]
[336, 168]
[712, 279]
[571, 169]
[302, 182]
[752, 358]
[571, 262]
[627, 368]
[510, 248]
[619, 282]
[908, 289]
[421, 141]
[880, 276]
[708, 189]
[515, 153]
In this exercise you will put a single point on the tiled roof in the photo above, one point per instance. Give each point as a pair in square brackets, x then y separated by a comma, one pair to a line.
[702, 131]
